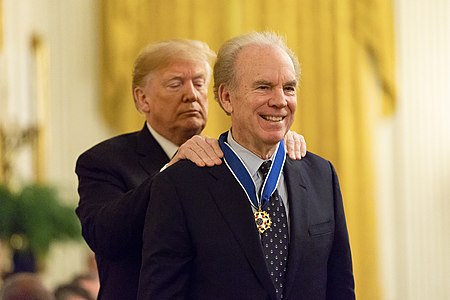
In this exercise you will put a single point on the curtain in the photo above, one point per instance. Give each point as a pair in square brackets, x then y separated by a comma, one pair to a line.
[2, 154]
[1, 25]
[346, 51]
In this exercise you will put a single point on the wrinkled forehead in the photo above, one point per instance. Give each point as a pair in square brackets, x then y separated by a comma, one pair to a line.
[256, 60]
[183, 68]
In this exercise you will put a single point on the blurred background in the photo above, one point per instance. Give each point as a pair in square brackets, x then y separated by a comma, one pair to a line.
[374, 99]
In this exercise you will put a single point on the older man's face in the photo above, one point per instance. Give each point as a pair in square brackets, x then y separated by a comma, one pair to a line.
[264, 100]
[177, 100]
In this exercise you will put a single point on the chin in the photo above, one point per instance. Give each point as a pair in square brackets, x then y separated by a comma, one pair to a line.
[194, 123]
[273, 139]
[276, 135]
[194, 128]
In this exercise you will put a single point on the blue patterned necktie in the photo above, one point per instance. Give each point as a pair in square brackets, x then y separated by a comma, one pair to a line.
[275, 240]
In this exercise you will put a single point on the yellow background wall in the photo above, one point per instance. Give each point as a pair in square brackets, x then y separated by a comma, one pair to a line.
[346, 52]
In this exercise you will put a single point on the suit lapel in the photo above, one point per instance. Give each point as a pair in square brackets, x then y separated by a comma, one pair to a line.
[298, 211]
[235, 208]
[151, 156]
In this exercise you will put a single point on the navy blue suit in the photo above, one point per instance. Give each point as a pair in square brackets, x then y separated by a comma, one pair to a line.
[200, 240]
[114, 196]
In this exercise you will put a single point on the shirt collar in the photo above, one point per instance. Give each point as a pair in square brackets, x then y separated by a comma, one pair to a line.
[251, 160]
[169, 148]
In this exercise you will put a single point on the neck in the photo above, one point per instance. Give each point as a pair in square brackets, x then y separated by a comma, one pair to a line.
[265, 153]
[262, 150]
[176, 137]
[181, 139]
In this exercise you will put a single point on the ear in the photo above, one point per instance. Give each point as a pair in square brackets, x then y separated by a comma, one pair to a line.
[141, 100]
[225, 98]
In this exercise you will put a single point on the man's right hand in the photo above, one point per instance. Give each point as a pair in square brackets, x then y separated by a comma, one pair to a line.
[202, 151]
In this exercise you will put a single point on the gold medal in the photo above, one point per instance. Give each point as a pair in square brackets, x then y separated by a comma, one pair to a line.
[262, 220]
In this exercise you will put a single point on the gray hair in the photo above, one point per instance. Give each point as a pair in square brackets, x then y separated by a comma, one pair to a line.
[159, 55]
[224, 69]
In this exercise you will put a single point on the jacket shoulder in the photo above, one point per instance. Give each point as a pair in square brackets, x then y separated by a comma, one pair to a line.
[313, 164]
[185, 169]
[187, 173]
[312, 159]
[115, 143]
[116, 147]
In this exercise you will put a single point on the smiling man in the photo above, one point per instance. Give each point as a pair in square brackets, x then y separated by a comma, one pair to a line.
[170, 86]
[260, 226]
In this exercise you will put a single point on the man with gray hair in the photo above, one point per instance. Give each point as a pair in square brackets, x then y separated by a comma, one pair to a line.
[261, 225]
[170, 87]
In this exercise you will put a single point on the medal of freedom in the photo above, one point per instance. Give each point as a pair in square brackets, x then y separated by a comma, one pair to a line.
[242, 175]
[262, 220]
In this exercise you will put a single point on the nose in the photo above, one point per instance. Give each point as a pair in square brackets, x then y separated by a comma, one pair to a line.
[190, 93]
[278, 98]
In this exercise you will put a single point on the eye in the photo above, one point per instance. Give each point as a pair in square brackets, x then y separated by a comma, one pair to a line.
[262, 86]
[174, 84]
[290, 90]
[199, 83]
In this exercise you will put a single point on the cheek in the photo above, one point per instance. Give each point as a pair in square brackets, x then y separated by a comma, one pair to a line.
[292, 105]
[205, 106]
[203, 96]
[203, 101]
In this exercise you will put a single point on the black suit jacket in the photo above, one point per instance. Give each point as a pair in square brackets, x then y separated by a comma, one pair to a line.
[113, 200]
[201, 242]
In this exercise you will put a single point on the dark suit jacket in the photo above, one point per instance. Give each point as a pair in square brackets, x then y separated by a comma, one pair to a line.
[113, 199]
[201, 242]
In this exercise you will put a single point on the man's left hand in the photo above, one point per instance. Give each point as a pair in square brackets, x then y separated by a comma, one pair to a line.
[295, 145]
[202, 151]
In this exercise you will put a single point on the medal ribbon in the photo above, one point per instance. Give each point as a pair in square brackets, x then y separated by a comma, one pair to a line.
[243, 176]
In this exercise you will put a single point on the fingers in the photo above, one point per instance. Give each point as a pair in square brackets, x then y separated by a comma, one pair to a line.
[290, 141]
[201, 151]
[295, 145]
[185, 152]
[302, 145]
[216, 148]
[208, 150]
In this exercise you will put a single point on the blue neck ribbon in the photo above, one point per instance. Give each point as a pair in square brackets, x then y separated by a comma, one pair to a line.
[244, 178]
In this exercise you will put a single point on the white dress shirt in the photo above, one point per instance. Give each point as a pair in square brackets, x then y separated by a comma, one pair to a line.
[253, 162]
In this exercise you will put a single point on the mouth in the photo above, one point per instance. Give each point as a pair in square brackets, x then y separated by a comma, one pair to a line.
[191, 114]
[272, 118]
[191, 111]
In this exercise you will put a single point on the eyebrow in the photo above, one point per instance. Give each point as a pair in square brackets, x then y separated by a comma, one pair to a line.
[261, 82]
[265, 82]
[181, 77]
[291, 83]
